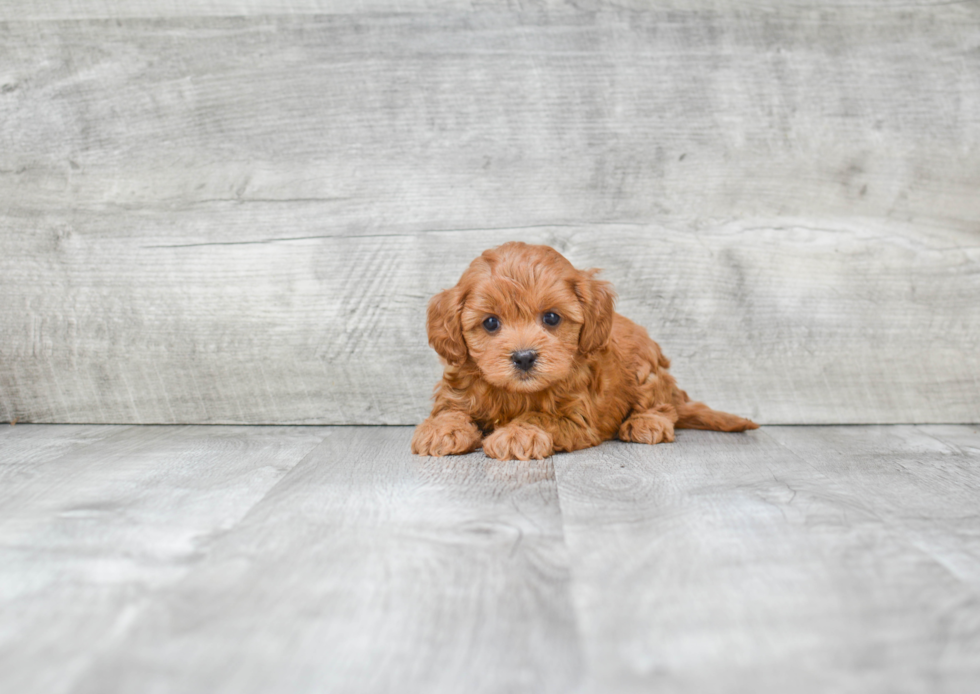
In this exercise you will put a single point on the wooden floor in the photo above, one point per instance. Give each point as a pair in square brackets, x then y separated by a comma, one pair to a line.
[300, 559]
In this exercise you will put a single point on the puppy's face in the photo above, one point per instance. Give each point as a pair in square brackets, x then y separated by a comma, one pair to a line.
[523, 315]
[523, 337]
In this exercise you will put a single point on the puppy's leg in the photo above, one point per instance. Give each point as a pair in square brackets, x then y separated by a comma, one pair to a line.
[654, 425]
[446, 433]
[519, 441]
[537, 435]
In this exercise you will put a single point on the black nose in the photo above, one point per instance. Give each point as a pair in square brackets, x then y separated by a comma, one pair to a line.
[524, 359]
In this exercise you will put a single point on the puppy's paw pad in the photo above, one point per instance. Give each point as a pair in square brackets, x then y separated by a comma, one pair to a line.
[646, 427]
[445, 435]
[519, 442]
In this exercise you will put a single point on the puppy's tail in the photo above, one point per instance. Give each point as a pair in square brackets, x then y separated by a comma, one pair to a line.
[697, 415]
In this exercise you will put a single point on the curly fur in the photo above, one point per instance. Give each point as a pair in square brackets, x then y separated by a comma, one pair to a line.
[597, 375]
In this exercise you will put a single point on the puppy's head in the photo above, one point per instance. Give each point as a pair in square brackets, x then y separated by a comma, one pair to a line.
[523, 315]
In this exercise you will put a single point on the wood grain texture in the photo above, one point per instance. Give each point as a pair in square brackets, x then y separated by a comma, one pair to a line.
[803, 559]
[779, 324]
[396, 121]
[367, 569]
[931, 496]
[240, 219]
[27, 449]
[114, 9]
[277, 559]
[87, 537]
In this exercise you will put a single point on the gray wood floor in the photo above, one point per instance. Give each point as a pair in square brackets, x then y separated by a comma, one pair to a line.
[295, 559]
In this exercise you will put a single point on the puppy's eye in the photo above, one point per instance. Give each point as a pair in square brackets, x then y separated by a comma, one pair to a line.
[551, 318]
[491, 324]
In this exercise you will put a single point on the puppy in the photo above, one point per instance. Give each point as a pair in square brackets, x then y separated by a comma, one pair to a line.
[537, 361]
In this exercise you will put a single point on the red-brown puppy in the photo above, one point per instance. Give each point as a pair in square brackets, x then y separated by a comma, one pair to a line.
[537, 361]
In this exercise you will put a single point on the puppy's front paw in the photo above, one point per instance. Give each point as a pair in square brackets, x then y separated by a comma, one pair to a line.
[448, 433]
[647, 427]
[520, 442]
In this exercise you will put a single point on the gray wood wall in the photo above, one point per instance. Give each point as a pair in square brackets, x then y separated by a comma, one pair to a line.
[235, 210]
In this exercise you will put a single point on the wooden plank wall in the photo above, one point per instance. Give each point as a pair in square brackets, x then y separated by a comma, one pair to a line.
[235, 211]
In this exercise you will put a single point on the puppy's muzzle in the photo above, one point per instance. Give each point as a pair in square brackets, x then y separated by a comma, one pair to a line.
[524, 359]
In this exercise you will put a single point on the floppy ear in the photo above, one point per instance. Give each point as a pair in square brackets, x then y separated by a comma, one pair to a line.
[597, 298]
[445, 325]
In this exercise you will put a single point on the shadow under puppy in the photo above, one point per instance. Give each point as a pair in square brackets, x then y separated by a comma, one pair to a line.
[537, 361]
